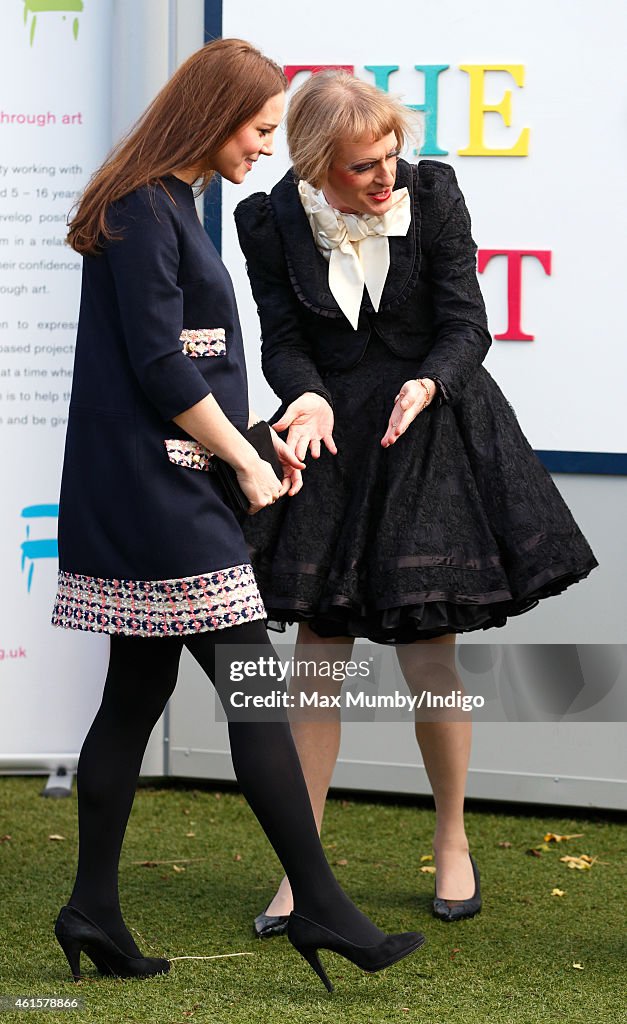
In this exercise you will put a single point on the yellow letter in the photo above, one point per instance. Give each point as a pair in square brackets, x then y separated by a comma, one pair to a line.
[478, 107]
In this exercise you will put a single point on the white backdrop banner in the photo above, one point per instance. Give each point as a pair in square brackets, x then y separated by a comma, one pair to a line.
[524, 100]
[55, 88]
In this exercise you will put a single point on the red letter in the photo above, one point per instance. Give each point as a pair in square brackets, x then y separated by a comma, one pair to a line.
[293, 69]
[514, 330]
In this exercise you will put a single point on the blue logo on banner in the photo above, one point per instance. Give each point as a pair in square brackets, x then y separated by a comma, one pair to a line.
[32, 550]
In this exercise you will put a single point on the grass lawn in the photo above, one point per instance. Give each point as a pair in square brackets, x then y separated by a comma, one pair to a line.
[530, 958]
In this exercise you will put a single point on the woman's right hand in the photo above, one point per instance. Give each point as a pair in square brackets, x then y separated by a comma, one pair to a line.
[309, 420]
[260, 484]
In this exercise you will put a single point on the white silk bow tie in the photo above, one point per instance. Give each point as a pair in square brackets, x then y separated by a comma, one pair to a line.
[356, 246]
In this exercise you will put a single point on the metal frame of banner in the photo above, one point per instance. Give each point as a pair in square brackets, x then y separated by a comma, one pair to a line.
[212, 215]
[598, 463]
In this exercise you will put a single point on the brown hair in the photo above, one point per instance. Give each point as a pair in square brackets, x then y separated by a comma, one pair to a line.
[215, 92]
[333, 105]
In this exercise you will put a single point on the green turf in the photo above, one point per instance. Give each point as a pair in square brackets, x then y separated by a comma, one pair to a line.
[511, 965]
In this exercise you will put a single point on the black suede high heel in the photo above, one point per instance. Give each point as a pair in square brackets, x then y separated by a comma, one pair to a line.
[456, 910]
[307, 938]
[76, 934]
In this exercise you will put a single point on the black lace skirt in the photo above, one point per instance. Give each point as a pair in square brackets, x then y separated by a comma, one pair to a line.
[455, 527]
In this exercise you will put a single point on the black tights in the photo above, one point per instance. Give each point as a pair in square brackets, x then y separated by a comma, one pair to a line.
[140, 680]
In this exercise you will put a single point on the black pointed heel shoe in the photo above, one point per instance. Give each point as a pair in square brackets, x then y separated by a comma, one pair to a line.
[267, 925]
[456, 910]
[76, 934]
[307, 938]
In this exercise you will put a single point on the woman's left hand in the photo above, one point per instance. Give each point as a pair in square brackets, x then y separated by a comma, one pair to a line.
[292, 466]
[411, 400]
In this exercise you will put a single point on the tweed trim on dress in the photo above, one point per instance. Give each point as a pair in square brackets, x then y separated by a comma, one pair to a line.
[213, 600]
[206, 341]
[189, 453]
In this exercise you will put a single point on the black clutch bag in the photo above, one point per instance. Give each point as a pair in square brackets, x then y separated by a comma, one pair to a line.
[260, 437]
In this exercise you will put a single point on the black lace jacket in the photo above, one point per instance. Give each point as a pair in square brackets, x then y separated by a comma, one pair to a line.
[431, 307]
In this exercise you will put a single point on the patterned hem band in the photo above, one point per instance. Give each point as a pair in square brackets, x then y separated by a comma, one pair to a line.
[214, 600]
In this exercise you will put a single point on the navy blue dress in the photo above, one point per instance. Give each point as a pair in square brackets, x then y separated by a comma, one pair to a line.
[147, 544]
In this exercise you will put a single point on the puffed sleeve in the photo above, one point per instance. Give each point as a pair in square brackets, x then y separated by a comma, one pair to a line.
[144, 263]
[462, 338]
[286, 357]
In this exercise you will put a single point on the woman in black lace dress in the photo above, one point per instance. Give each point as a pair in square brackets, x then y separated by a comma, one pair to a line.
[425, 513]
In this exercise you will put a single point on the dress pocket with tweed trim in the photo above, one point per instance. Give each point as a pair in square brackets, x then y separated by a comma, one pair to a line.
[205, 341]
[189, 453]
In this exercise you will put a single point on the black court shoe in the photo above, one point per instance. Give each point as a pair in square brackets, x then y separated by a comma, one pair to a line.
[307, 938]
[77, 934]
[267, 925]
[456, 910]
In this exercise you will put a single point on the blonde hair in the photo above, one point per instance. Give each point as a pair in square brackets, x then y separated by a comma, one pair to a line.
[333, 106]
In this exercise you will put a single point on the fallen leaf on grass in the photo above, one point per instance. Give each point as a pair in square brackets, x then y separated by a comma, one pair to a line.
[428, 870]
[505, 845]
[178, 869]
[426, 856]
[557, 892]
[237, 856]
[453, 952]
[57, 838]
[578, 967]
[534, 853]
[553, 837]
[5, 839]
[582, 863]
[342, 863]
[190, 835]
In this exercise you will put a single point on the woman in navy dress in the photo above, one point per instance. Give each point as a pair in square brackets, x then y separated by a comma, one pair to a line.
[150, 551]
[425, 513]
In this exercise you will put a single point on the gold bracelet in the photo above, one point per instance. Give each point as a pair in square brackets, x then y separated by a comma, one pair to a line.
[426, 387]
